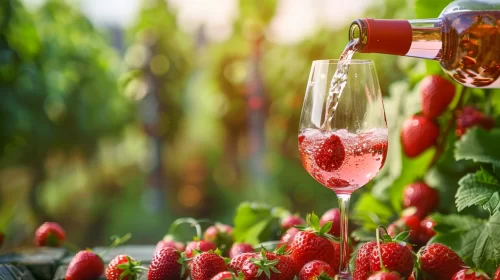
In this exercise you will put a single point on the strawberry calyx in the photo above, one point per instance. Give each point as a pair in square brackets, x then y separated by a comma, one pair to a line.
[313, 226]
[265, 265]
[183, 261]
[324, 276]
[131, 269]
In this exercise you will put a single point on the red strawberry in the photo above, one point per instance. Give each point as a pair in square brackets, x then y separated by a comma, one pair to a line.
[335, 264]
[384, 275]
[395, 257]
[470, 117]
[240, 248]
[439, 261]
[168, 263]
[123, 267]
[436, 94]
[221, 235]
[237, 262]
[202, 246]
[225, 275]
[316, 270]
[287, 238]
[426, 231]
[407, 223]
[332, 215]
[497, 274]
[330, 155]
[290, 221]
[419, 195]
[268, 265]
[418, 134]
[313, 243]
[470, 274]
[206, 265]
[50, 234]
[362, 269]
[85, 265]
[168, 241]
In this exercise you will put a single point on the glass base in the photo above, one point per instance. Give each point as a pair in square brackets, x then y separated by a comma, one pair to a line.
[344, 276]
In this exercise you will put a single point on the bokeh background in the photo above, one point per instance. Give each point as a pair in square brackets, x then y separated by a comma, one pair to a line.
[121, 116]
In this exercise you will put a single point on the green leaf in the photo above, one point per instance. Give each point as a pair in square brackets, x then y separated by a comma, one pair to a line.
[313, 220]
[371, 212]
[253, 223]
[429, 8]
[480, 189]
[326, 227]
[479, 145]
[476, 241]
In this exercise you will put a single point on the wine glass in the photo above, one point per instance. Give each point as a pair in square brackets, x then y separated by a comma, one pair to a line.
[343, 149]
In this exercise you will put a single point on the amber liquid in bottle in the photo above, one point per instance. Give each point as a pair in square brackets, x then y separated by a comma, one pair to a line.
[471, 48]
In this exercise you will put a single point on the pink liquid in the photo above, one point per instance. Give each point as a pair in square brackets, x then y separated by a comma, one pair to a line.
[356, 158]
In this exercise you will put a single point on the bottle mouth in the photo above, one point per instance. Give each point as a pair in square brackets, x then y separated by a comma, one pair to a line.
[355, 30]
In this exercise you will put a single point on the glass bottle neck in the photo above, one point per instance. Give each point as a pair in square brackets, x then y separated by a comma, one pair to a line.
[415, 38]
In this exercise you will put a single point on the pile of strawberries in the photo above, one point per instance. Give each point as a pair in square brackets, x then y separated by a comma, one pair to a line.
[307, 250]
[421, 131]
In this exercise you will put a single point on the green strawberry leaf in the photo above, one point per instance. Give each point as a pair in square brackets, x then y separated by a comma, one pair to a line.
[479, 145]
[370, 212]
[476, 241]
[313, 220]
[480, 189]
[326, 227]
[254, 223]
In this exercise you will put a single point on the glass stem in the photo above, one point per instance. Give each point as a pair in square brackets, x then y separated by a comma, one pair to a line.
[344, 237]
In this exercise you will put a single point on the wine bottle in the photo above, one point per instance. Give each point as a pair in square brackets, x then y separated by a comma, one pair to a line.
[465, 39]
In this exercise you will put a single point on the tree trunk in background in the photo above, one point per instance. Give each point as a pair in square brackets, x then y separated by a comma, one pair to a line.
[256, 102]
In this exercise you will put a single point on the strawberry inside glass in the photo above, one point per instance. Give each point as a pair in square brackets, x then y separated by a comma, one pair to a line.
[341, 160]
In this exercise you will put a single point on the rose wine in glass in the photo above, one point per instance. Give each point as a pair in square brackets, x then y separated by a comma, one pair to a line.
[344, 145]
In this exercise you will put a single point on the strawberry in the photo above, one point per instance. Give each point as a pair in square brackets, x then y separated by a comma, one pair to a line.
[50, 234]
[332, 215]
[313, 243]
[436, 94]
[168, 241]
[384, 275]
[419, 195]
[268, 265]
[407, 223]
[330, 155]
[469, 117]
[426, 231]
[439, 261]
[497, 274]
[316, 270]
[290, 221]
[418, 134]
[395, 257]
[470, 274]
[221, 235]
[202, 246]
[240, 248]
[85, 265]
[287, 238]
[237, 262]
[168, 263]
[225, 275]
[123, 267]
[362, 268]
[206, 265]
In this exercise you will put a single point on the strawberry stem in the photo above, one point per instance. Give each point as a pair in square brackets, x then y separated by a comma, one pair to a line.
[116, 241]
[440, 146]
[192, 222]
[382, 267]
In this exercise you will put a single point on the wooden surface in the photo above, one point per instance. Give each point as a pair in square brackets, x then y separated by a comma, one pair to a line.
[51, 263]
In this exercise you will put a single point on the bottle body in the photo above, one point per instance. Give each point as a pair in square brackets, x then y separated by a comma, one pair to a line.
[465, 42]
